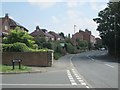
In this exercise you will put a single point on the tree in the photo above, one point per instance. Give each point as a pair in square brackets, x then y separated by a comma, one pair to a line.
[69, 48]
[18, 35]
[109, 26]
[62, 34]
[81, 43]
[69, 35]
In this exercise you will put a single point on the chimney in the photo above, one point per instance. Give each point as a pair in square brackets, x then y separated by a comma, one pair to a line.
[37, 28]
[87, 31]
[6, 16]
[80, 31]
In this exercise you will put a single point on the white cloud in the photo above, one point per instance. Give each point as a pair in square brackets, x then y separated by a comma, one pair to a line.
[98, 5]
[72, 3]
[74, 17]
[72, 14]
[55, 19]
[43, 4]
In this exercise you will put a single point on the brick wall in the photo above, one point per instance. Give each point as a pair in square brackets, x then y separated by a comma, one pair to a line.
[29, 58]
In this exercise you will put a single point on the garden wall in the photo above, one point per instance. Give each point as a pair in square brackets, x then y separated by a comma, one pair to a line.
[29, 58]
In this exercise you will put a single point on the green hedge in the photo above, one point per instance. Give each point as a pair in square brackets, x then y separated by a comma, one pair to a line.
[16, 47]
[20, 47]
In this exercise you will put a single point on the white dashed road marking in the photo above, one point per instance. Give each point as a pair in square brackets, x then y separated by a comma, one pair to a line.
[71, 78]
[76, 73]
[90, 58]
[79, 79]
[109, 65]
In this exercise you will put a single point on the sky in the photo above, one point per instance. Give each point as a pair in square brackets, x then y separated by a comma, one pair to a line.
[55, 15]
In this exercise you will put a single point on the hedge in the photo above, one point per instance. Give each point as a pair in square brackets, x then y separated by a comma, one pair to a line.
[20, 47]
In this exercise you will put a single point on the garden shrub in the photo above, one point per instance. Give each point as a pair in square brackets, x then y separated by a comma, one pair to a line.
[70, 48]
[16, 47]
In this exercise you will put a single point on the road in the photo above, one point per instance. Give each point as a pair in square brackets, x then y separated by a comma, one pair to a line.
[99, 70]
[90, 69]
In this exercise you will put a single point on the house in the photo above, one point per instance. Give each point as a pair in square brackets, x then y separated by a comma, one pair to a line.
[42, 33]
[78, 35]
[84, 35]
[92, 40]
[98, 43]
[56, 36]
[6, 24]
[87, 35]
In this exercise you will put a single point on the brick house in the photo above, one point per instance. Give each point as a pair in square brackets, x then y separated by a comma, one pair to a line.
[42, 33]
[6, 24]
[78, 35]
[84, 35]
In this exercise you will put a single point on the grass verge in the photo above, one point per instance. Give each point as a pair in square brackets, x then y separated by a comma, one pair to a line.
[4, 68]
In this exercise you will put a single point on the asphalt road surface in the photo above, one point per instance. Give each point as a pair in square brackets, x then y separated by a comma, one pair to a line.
[100, 70]
[92, 69]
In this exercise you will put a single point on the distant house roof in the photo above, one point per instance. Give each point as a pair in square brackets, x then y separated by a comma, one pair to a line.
[37, 32]
[41, 32]
[55, 34]
[49, 35]
[44, 30]
[10, 22]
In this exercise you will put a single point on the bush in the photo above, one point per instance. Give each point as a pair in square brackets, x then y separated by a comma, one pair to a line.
[58, 49]
[18, 35]
[20, 47]
[70, 48]
[47, 45]
[57, 55]
[35, 46]
[7, 47]
[16, 47]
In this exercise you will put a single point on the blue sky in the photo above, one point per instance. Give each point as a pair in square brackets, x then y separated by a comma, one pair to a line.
[58, 16]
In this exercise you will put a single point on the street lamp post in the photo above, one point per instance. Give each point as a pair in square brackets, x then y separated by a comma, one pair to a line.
[74, 36]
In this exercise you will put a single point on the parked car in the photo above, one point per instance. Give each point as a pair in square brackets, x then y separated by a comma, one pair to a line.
[102, 49]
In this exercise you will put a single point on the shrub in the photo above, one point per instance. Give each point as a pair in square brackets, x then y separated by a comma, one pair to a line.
[19, 47]
[18, 35]
[58, 49]
[70, 48]
[16, 47]
[57, 55]
[35, 46]
[47, 45]
[7, 47]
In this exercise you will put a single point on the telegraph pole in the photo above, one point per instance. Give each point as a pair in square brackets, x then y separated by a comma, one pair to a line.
[74, 35]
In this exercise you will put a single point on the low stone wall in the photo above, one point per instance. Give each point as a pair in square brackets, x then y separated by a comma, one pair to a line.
[29, 58]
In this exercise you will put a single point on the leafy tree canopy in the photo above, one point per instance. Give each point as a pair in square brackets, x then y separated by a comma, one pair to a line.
[109, 25]
[18, 35]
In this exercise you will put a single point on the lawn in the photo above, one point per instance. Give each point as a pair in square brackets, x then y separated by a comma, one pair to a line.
[4, 68]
